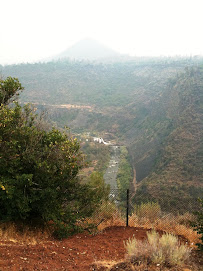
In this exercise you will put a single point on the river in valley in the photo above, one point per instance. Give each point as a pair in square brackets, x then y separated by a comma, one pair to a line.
[112, 170]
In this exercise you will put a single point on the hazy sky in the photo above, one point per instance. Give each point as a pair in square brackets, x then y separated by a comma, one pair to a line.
[31, 30]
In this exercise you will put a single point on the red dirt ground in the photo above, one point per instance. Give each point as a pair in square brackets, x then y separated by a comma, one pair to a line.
[78, 252]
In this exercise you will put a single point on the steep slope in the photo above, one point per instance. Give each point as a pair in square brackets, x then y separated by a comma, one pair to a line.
[152, 106]
[177, 174]
[102, 85]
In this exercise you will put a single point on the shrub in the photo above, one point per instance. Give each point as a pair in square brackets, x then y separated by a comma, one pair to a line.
[131, 246]
[160, 250]
[198, 225]
[106, 210]
[185, 219]
[174, 253]
[149, 210]
[39, 168]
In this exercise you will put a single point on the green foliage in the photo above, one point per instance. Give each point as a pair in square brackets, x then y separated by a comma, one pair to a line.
[98, 153]
[124, 176]
[174, 133]
[153, 106]
[39, 170]
[96, 182]
[150, 210]
[9, 88]
[107, 210]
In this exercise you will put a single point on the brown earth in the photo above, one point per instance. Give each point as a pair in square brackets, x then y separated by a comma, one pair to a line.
[79, 252]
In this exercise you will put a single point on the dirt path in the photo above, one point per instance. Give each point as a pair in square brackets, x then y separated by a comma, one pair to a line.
[76, 253]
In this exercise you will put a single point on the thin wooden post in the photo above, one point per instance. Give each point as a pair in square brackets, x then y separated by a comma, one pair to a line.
[127, 207]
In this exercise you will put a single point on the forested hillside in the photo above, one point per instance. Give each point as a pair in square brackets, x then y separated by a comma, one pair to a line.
[95, 84]
[177, 173]
[152, 106]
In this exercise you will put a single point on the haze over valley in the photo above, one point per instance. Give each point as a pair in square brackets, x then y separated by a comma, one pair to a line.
[101, 135]
[150, 105]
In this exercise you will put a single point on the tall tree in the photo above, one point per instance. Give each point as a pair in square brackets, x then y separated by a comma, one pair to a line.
[9, 88]
[39, 168]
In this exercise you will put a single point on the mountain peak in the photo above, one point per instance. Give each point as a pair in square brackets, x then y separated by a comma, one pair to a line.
[89, 49]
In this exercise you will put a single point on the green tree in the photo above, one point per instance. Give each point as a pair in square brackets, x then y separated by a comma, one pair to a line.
[9, 88]
[39, 168]
[101, 190]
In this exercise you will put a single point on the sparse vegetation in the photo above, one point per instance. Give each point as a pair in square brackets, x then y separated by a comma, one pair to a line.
[124, 176]
[109, 214]
[24, 234]
[149, 210]
[198, 225]
[39, 169]
[164, 250]
[152, 106]
[97, 155]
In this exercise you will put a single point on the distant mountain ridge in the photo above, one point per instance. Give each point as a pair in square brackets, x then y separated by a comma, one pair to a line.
[87, 49]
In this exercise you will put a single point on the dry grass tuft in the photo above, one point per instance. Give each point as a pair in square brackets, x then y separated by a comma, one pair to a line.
[22, 234]
[116, 220]
[186, 219]
[148, 216]
[103, 264]
[177, 225]
[162, 250]
[149, 210]
[171, 225]
[106, 216]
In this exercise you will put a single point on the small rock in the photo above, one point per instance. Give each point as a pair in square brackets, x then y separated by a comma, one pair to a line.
[25, 259]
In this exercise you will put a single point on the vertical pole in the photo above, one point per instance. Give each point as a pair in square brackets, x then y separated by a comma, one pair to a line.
[127, 207]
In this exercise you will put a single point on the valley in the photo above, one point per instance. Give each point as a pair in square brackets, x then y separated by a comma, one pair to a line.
[101, 135]
[110, 176]
[152, 106]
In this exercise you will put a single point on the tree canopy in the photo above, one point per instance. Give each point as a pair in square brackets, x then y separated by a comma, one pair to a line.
[9, 88]
[39, 169]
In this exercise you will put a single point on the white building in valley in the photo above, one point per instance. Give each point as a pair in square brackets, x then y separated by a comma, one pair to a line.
[100, 140]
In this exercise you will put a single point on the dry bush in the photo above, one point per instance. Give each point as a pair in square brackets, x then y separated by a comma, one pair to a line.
[171, 225]
[106, 215]
[103, 265]
[130, 246]
[174, 253]
[186, 219]
[149, 216]
[106, 210]
[115, 220]
[23, 234]
[160, 250]
[149, 210]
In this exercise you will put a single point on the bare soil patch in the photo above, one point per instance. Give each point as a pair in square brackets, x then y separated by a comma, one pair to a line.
[79, 252]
